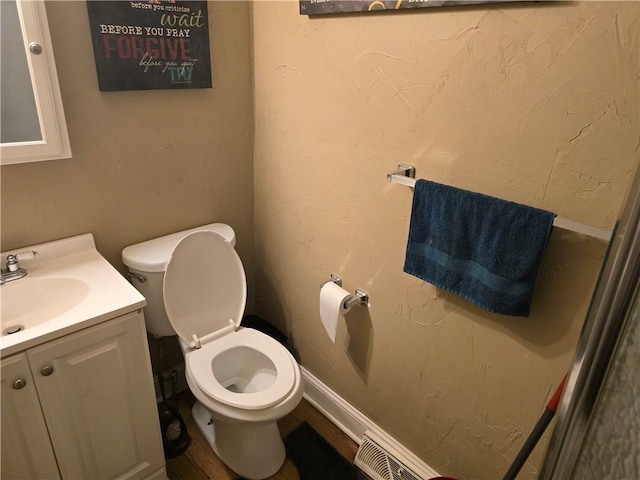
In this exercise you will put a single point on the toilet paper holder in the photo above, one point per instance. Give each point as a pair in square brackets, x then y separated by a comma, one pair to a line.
[358, 298]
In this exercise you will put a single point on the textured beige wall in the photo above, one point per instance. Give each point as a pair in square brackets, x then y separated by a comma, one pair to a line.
[535, 103]
[145, 163]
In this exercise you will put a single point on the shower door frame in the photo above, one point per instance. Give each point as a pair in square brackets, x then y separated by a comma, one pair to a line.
[605, 320]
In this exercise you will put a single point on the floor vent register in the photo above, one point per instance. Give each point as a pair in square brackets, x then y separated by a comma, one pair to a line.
[378, 460]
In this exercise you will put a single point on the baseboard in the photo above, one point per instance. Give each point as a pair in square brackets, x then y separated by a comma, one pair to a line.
[345, 416]
[353, 422]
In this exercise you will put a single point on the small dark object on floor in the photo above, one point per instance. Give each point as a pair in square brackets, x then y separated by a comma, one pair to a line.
[260, 324]
[315, 458]
[175, 437]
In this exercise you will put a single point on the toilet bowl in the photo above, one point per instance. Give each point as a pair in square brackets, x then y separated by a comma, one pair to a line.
[243, 380]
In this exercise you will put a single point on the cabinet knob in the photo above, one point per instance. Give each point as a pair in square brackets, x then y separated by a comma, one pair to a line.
[35, 48]
[19, 383]
[46, 370]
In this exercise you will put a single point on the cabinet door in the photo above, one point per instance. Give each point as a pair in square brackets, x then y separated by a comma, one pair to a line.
[97, 395]
[26, 450]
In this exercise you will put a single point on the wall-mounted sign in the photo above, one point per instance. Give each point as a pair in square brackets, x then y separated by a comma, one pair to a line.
[150, 44]
[318, 7]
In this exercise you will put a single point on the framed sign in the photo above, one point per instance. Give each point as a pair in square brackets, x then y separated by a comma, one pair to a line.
[318, 7]
[150, 44]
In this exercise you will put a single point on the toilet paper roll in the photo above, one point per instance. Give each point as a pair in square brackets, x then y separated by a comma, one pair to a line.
[332, 300]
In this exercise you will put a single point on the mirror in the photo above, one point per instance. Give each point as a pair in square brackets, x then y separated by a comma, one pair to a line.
[31, 111]
[19, 114]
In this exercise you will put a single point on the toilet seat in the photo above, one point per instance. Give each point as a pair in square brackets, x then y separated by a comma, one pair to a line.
[205, 291]
[200, 364]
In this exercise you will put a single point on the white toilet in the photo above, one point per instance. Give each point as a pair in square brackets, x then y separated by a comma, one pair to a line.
[243, 380]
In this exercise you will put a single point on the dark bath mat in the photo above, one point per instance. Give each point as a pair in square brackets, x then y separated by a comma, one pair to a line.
[315, 458]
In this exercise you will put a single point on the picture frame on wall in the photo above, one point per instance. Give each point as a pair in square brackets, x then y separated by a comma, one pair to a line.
[325, 7]
[150, 44]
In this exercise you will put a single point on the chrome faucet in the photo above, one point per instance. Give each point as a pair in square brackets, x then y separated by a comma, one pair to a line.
[13, 270]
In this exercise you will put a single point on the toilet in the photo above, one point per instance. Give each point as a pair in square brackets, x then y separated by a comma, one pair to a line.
[243, 380]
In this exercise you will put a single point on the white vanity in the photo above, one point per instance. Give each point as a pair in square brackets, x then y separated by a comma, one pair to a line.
[77, 390]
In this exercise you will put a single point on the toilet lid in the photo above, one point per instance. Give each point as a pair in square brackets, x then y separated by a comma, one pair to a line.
[204, 285]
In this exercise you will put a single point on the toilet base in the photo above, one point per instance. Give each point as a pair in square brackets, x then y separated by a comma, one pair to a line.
[254, 451]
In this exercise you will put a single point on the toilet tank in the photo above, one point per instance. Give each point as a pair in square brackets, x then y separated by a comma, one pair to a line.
[147, 262]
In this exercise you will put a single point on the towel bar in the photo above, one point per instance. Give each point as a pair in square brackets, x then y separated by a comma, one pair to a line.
[405, 175]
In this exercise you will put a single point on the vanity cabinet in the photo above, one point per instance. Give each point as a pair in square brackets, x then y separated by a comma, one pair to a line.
[88, 398]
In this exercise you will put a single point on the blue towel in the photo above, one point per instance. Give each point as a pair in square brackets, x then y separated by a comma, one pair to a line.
[482, 248]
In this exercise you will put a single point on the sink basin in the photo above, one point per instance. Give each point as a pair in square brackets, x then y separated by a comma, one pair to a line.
[33, 300]
[69, 286]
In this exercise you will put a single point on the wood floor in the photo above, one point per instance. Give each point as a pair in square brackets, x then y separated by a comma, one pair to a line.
[199, 462]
